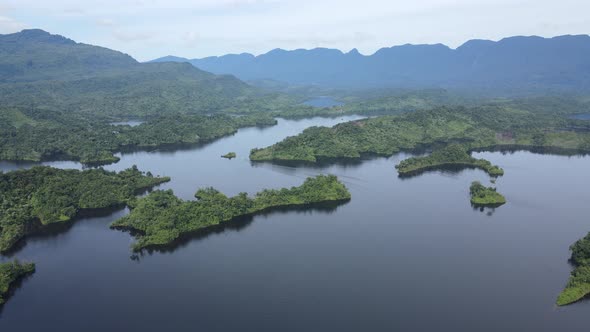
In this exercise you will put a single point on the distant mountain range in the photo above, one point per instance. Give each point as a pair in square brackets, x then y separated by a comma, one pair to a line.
[511, 64]
[39, 70]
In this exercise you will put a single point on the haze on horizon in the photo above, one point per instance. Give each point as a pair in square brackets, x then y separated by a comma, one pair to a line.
[194, 29]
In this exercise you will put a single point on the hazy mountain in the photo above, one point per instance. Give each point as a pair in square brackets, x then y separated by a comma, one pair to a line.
[41, 70]
[515, 63]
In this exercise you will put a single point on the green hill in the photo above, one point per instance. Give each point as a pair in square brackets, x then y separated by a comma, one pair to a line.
[39, 70]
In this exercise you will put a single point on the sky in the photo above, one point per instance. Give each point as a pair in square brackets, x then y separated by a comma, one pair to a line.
[150, 29]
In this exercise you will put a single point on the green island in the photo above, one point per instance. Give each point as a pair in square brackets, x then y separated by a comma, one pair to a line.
[40, 135]
[485, 196]
[11, 273]
[476, 128]
[229, 155]
[451, 155]
[161, 217]
[578, 286]
[40, 196]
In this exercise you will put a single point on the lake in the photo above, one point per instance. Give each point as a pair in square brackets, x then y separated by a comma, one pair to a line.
[402, 255]
[323, 101]
[581, 116]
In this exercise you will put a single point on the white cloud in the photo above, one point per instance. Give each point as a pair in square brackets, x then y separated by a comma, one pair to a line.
[195, 28]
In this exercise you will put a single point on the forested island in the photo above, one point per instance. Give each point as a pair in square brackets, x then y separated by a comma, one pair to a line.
[578, 285]
[39, 135]
[484, 127]
[161, 217]
[453, 155]
[11, 273]
[35, 198]
[229, 155]
[482, 196]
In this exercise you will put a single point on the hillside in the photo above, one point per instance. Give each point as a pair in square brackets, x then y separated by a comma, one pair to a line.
[39, 70]
[515, 64]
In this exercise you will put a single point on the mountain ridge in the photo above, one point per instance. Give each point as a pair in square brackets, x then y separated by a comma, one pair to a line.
[560, 63]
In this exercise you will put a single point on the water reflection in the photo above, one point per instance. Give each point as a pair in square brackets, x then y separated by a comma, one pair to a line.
[400, 251]
[14, 288]
[444, 170]
[488, 210]
[238, 224]
[511, 149]
[41, 232]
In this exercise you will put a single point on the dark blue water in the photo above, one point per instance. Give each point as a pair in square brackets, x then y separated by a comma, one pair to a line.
[323, 101]
[581, 116]
[403, 255]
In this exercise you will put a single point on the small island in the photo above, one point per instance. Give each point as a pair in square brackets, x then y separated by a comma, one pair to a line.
[35, 198]
[578, 285]
[482, 196]
[229, 155]
[161, 218]
[10, 274]
[453, 155]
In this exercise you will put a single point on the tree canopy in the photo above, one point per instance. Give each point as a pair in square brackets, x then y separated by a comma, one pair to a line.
[161, 217]
[40, 196]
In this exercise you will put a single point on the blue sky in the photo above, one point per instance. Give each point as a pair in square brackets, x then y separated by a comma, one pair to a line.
[149, 29]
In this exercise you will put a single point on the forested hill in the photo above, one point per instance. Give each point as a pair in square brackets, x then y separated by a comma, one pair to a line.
[525, 64]
[39, 70]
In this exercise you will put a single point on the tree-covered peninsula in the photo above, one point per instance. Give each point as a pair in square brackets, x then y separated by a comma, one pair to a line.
[11, 273]
[40, 196]
[484, 127]
[578, 285]
[161, 217]
[453, 155]
[40, 135]
[482, 196]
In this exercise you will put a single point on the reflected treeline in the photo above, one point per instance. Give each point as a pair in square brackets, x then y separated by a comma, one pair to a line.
[171, 148]
[321, 163]
[54, 230]
[14, 287]
[511, 149]
[237, 224]
[444, 169]
[488, 210]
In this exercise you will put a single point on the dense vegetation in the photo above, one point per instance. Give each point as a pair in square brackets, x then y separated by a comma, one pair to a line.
[38, 135]
[229, 155]
[10, 273]
[451, 155]
[41, 196]
[161, 217]
[481, 127]
[485, 196]
[50, 72]
[578, 285]
[373, 102]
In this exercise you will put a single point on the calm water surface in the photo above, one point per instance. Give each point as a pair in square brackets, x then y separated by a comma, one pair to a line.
[581, 116]
[403, 255]
[323, 101]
